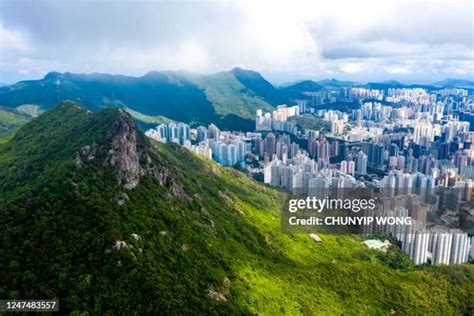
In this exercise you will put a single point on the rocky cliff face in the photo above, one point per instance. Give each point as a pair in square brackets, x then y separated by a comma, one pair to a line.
[130, 156]
[125, 153]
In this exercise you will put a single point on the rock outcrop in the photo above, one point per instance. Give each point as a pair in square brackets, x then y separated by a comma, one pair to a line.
[131, 156]
[124, 153]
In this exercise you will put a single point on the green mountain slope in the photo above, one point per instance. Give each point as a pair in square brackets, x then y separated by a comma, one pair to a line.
[255, 84]
[223, 98]
[236, 95]
[300, 90]
[95, 214]
[11, 119]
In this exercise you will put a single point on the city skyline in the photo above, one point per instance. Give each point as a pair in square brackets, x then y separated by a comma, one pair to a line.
[421, 172]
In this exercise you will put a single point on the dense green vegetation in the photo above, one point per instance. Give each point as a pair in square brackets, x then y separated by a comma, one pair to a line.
[148, 119]
[222, 98]
[307, 122]
[207, 241]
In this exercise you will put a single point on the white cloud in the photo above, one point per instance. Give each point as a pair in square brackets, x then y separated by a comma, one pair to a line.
[285, 40]
[353, 67]
[12, 41]
[398, 70]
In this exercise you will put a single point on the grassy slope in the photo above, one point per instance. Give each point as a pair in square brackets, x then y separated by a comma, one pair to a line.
[30, 110]
[148, 119]
[58, 227]
[235, 105]
[146, 122]
[229, 95]
[311, 123]
[11, 119]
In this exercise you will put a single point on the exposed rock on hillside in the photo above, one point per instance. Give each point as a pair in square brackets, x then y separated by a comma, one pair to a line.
[125, 153]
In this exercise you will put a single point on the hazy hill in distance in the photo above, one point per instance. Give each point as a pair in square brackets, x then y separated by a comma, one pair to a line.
[298, 90]
[95, 214]
[336, 83]
[227, 98]
[384, 85]
[457, 83]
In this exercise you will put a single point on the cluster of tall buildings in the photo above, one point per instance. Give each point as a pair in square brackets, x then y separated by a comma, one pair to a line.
[375, 111]
[321, 148]
[231, 152]
[396, 95]
[355, 164]
[397, 183]
[367, 93]
[303, 175]
[446, 92]
[425, 131]
[410, 95]
[423, 152]
[273, 147]
[434, 245]
[227, 148]
[337, 120]
[179, 133]
[278, 119]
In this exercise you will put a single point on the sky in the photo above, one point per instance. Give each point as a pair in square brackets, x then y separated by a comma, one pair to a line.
[410, 41]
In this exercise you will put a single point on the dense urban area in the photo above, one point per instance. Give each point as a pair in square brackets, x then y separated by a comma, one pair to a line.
[414, 145]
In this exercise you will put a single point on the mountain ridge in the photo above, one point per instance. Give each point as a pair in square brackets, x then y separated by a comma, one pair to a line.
[457, 83]
[336, 83]
[228, 98]
[179, 96]
[298, 90]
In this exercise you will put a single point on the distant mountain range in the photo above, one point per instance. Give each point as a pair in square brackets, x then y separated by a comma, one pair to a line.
[336, 83]
[227, 98]
[456, 83]
[298, 90]
[385, 85]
